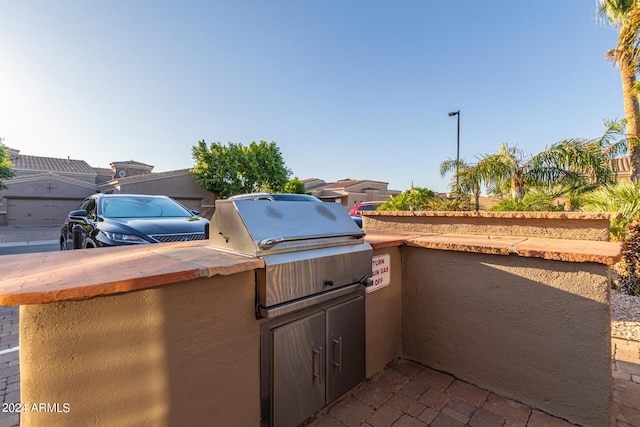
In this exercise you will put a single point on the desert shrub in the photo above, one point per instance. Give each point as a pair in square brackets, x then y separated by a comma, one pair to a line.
[460, 203]
[533, 201]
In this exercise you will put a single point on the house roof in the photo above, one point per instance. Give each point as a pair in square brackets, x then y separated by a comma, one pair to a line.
[132, 163]
[37, 163]
[103, 171]
[50, 176]
[146, 177]
[346, 183]
[151, 176]
[621, 164]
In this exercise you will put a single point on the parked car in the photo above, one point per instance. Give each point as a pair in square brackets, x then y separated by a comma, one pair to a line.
[288, 197]
[357, 219]
[128, 219]
[364, 206]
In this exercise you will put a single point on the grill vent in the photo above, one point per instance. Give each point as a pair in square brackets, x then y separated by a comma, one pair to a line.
[184, 237]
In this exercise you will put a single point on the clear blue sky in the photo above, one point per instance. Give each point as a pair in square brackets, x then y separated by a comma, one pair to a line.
[346, 88]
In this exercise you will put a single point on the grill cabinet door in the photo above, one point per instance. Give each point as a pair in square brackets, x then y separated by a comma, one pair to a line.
[299, 375]
[345, 347]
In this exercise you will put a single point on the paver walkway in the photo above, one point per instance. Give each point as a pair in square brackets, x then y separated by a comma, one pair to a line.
[409, 394]
[626, 381]
[9, 364]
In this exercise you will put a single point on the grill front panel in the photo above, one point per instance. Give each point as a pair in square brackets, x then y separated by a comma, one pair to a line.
[183, 237]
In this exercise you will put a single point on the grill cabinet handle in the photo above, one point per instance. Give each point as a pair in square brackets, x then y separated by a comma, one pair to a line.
[338, 343]
[271, 242]
[316, 361]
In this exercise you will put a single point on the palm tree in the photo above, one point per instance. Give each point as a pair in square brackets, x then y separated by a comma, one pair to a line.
[623, 197]
[625, 16]
[468, 179]
[508, 166]
[572, 162]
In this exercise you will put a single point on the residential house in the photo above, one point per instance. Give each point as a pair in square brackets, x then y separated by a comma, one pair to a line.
[45, 189]
[348, 191]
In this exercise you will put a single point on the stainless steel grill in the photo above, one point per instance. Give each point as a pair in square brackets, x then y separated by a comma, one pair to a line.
[312, 251]
[183, 237]
[316, 261]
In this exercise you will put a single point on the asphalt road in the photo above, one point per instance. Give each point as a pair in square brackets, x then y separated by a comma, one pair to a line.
[28, 249]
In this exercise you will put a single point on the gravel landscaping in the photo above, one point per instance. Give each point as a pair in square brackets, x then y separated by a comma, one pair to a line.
[625, 316]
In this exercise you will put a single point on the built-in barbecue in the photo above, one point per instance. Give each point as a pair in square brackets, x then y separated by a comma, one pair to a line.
[311, 290]
[312, 251]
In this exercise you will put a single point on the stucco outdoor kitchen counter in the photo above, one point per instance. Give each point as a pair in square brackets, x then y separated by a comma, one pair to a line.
[59, 276]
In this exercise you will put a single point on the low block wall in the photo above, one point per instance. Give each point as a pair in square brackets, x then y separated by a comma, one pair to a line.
[552, 225]
[535, 330]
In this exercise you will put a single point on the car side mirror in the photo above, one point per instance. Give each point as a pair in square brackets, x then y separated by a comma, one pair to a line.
[78, 215]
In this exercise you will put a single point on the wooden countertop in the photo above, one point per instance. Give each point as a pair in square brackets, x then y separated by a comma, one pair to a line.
[72, 275]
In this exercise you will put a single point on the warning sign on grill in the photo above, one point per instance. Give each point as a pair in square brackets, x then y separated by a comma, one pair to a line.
[380, 272]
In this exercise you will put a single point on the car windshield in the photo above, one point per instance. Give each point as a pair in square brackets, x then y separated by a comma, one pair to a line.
[142, 207]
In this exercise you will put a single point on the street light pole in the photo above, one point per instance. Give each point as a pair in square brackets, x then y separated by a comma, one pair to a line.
[457, 113]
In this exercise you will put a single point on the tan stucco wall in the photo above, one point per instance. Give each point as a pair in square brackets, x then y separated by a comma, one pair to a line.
[39, 188]
[183, 354]
[534, 330]
[179, 185]
[383, 309]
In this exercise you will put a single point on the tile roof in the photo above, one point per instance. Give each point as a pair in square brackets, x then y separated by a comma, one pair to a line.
[131, 163]
[621, 164]
[103, 171]
[37, 163]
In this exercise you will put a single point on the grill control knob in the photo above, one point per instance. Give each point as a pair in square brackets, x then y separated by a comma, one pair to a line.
[328, 282]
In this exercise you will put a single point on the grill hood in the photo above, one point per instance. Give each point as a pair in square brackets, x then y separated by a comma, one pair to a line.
[260, 227]
[310, 250]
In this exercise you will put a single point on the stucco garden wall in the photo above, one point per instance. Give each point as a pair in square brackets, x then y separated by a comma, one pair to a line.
[535, 330]
[552, 225]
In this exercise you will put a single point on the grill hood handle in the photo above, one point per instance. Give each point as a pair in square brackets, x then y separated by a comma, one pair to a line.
[271, 242]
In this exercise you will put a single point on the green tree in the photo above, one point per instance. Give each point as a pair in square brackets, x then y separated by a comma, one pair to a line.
[235, 169]
[295, 186]
[5, 165]
[624, 15]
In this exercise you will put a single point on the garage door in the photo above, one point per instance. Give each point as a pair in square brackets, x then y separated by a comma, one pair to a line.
[39, 211]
